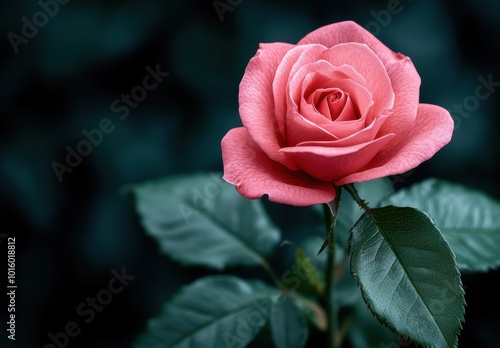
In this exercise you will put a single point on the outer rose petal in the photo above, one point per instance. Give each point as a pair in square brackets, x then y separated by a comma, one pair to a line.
[256, 100]
[406, 86]
[255, 174]
[431, 131]
[348, 31]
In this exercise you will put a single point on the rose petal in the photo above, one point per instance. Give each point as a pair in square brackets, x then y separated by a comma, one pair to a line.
[329, 77]
[348, 31]
[255, 174]
[404, 77]
[322, 74]
[282, 77]
[302, 58]
[364, 135]
[368, 65]
[256, 100]
[334, 163]
[432, 129]
[330, 102]
[347, 112]
[319, 101]
[297, 130]
[406, 86]
[300, 128]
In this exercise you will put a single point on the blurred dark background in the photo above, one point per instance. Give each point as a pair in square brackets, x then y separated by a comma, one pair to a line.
[71, 67]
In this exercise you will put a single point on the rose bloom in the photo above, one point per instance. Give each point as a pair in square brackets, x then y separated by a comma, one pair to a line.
[339, 107]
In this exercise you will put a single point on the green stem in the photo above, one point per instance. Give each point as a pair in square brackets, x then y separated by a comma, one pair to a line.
[352, 191]
[331, 212]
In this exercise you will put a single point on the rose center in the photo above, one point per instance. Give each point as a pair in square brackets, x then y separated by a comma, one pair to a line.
[330, 102]
[336, 95]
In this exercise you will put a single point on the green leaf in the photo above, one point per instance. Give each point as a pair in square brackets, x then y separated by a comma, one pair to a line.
[218, 311]
[366, 332]
[201, 220]
[468, 219]
[408, 275]
[289, 327]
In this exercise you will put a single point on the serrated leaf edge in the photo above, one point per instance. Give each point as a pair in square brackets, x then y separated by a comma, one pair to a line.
[368, 302]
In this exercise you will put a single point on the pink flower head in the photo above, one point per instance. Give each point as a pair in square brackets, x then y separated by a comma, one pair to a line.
[338, 107]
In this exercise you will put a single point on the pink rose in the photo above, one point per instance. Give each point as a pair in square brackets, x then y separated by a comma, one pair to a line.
[337, 108]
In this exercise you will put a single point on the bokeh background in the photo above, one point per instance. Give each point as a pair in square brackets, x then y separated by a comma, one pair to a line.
[64, 79]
